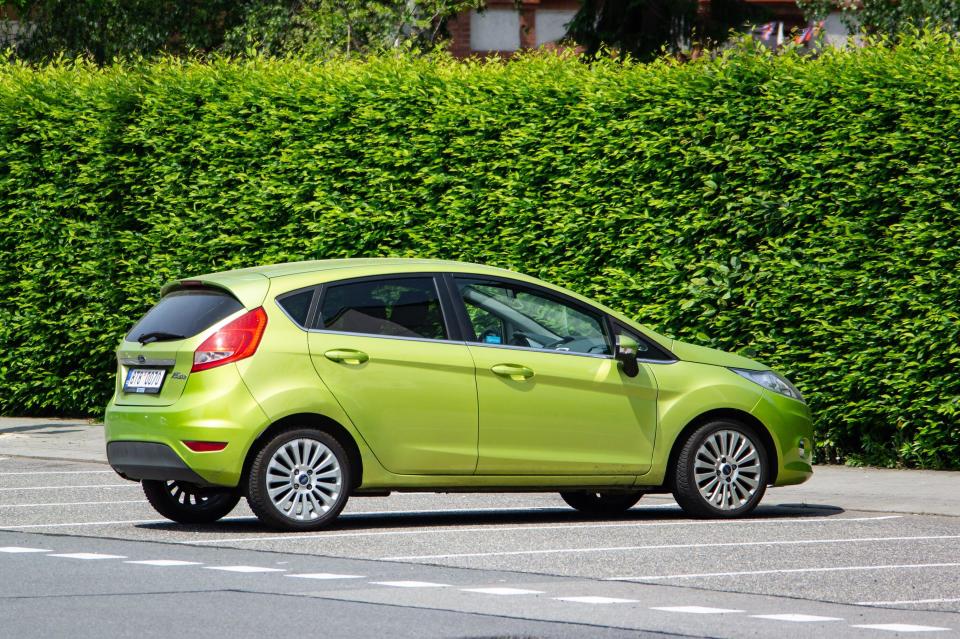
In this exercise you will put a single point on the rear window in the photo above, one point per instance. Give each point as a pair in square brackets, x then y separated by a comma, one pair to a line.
[184, 313]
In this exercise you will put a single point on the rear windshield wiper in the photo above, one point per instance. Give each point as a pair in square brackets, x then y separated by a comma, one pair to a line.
[158, 336]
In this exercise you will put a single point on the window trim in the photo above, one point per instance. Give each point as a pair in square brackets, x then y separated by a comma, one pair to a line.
[466, 327]
[451, 328]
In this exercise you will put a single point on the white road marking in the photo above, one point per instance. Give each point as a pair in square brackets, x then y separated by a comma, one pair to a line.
[325, 575]
[782, 571]
[596, 600]
[697, 610]
[20, 549]
[908, 601]
[738, 544]
[87, 523]
[87, 555]
[61, 472]
[105, 523]
[128, 485]
[797, 618]
[503, 591]
[244, 569]
[164, 562]
[76, 503]
[409, 584]
[899, 627]
[440, 531]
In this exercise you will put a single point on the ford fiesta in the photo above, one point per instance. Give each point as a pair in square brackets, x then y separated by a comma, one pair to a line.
[299, 385]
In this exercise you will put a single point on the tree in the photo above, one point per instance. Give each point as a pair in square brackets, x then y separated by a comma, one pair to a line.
[645, 28]
[105, 29]
[323, 27]
[888, 17]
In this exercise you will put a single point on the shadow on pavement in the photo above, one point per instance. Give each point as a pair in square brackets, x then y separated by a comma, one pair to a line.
[47, 428]
[355, 521]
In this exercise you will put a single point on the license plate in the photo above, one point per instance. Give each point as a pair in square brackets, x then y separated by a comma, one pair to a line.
[144, 380]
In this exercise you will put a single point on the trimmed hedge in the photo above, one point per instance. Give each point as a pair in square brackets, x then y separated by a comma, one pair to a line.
[800, 211]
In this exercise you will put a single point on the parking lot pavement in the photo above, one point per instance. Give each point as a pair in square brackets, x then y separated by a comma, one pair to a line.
[74, 535]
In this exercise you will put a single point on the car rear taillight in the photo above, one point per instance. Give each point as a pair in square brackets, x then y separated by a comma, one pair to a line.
[235, 341]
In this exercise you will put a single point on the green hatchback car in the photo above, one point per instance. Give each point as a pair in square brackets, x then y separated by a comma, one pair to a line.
[299, 385]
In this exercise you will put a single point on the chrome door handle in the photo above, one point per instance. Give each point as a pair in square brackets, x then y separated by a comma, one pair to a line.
[346, 356]
[514, 371]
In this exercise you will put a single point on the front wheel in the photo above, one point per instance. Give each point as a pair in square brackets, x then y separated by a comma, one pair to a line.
[721, 471]
[299, 480]
[601, 503]
[188, 503]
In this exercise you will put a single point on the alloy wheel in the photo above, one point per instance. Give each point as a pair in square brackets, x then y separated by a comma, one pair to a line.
[304, 479]
[727, 469]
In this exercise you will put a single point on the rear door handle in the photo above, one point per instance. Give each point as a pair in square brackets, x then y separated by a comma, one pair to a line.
[514, 371]
[346, 356]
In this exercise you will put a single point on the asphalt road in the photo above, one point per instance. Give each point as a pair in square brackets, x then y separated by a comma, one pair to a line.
[83, 554]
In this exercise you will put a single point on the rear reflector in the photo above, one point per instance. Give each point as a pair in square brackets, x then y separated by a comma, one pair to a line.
[205, 447]
[235, 341]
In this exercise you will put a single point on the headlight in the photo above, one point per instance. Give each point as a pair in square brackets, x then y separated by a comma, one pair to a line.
[770, 381]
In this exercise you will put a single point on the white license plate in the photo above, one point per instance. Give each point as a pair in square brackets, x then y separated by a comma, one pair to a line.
[144, 380]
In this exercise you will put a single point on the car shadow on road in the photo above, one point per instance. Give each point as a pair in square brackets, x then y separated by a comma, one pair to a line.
[466, 517]
[51, 429]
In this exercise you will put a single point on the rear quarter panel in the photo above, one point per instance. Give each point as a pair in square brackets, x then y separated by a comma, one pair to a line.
[282, 379]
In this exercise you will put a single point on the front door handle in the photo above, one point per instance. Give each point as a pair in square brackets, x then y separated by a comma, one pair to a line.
[514, 371]
[346, 356]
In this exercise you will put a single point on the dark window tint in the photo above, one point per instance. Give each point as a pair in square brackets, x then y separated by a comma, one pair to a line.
[402, 307]
[501, 313]
[297, 306]
[185, 313]
[645, 348]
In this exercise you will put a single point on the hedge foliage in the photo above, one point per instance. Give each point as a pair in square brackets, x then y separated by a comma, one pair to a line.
[800, 211]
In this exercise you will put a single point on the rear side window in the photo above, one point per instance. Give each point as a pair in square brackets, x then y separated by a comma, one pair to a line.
[184, 314]
[297, 306]
[399, 307]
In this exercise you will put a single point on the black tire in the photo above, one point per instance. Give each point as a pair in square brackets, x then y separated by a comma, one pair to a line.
[602, 502]
[188, 503]
[258, 494]
[737, 472]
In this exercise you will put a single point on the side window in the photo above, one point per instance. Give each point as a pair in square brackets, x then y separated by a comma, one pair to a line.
[399, 307]
[514, 315]
[297, 306]
[645, 349]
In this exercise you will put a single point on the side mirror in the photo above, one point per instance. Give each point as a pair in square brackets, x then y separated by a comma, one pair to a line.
[626, 355]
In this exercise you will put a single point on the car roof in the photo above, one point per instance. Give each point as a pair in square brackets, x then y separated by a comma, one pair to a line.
[385, 263]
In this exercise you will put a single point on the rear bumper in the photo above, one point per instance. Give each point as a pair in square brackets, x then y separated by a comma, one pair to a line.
[215, 406]
[149, 460]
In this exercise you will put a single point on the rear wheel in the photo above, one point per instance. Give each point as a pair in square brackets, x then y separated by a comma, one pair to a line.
[602, 502]
[721, 471]
[188, 503]
[299, 480]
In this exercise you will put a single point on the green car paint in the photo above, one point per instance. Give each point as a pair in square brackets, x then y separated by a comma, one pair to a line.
[444, 414]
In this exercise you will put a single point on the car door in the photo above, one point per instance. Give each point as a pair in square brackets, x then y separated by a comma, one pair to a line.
[383, 347]
[552, 399]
